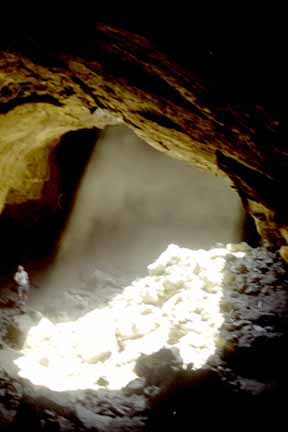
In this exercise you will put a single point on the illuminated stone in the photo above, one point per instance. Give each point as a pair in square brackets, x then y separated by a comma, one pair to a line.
[177, 305]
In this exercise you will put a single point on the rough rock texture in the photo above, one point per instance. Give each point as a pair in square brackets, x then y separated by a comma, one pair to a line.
[220, 108]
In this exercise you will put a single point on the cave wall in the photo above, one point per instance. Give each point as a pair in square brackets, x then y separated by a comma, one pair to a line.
[218, 108]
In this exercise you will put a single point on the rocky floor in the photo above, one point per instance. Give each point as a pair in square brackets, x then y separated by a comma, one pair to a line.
[242, 381]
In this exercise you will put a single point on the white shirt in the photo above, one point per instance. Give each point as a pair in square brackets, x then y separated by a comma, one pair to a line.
[22, 278]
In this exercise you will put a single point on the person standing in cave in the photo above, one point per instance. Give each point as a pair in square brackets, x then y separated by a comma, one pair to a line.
[23, 285]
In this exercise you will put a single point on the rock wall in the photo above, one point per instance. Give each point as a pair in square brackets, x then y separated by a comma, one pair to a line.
[205, 110]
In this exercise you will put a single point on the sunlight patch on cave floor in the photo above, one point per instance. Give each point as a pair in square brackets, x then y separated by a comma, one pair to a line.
[176, 305]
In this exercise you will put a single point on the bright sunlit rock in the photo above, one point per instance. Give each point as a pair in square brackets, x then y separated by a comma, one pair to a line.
[177, 305]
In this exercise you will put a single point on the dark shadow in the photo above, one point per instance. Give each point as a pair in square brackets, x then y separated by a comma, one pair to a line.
[249, 232]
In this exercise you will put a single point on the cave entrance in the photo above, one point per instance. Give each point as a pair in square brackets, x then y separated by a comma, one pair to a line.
[131, 203]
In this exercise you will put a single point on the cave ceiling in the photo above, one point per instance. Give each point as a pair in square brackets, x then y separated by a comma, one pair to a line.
[207, 90]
